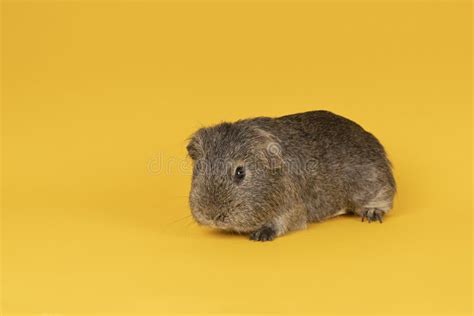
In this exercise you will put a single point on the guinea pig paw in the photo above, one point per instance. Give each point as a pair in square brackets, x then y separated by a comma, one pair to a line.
[264, 234]
[372, 215]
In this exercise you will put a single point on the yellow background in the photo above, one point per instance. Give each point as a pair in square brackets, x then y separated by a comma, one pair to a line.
[99, 98]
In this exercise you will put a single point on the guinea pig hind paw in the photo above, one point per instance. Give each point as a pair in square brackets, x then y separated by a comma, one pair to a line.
[263, 234]
[372, 215]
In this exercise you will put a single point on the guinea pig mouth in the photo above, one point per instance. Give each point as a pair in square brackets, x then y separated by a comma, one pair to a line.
[220, 217]
[222, 221]
[217, 220]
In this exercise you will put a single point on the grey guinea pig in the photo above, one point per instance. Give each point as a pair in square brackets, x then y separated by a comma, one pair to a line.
[267, 176]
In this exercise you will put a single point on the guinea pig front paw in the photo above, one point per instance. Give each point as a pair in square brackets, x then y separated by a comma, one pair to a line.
[372, 215]
[265, 233]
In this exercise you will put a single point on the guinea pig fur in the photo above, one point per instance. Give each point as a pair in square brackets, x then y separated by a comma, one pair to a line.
[267, 176]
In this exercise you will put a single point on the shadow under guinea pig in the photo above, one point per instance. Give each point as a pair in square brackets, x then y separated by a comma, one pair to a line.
[216, 233]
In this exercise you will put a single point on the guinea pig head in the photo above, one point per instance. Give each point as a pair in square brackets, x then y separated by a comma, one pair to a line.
[237, 176]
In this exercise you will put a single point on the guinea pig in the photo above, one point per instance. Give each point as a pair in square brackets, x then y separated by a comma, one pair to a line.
[267, 176]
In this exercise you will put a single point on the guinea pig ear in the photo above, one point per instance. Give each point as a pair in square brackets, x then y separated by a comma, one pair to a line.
[271, 150]
[194, 148]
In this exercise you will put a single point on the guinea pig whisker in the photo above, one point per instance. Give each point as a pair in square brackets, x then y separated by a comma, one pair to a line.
[180, 219]
[190, 223]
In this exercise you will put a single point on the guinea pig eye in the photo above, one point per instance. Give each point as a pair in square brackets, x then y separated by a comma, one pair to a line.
[239, 173]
